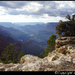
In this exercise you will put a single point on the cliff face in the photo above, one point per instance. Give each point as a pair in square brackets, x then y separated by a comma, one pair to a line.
[64, 41]
[61, 59]
[65, 48]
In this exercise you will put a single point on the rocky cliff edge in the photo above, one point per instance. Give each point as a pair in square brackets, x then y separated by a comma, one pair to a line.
[61, 59]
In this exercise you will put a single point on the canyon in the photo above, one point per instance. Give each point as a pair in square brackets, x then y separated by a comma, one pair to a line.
[61, 59]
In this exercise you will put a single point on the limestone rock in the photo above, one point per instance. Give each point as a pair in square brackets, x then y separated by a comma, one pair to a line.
[64, 41]
[39, 65]
[11, 67]
[29, 59]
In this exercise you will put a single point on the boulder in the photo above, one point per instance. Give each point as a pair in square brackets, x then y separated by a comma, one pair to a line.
[29, 59]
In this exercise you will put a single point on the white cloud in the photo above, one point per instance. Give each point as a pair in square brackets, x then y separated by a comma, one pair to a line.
[71, 4]
[45, 15]
[26, 18]
[10, 18]
[31, 7]
[35, 11]
[2, 11]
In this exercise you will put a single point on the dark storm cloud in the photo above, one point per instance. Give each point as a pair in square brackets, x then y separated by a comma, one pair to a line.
[12, 4]
[53, 5]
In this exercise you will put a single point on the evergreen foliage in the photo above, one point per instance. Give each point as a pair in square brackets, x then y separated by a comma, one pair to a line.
[66, 28]
[11, 55]
[50, 45]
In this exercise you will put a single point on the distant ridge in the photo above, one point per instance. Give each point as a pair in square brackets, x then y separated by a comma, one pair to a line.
[28, 23]
[35, 36]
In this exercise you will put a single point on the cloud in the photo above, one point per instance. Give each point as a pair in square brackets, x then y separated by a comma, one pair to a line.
[12, 4]
[38, 9]
[35, 8]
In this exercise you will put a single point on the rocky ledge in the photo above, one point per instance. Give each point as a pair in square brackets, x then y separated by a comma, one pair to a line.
[61, 59]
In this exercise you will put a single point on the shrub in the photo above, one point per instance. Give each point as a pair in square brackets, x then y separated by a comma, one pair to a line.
[11, 55]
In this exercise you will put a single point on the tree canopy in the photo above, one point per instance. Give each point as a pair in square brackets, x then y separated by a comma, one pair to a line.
[66, 28]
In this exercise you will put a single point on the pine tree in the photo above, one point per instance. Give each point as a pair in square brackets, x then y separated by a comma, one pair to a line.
[66, 28]
[50, 45]
[11, 55]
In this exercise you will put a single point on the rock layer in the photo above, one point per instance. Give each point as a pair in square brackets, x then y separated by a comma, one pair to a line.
[64, 41]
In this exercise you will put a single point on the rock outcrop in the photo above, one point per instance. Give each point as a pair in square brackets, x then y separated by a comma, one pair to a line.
[32, 64]
[65, 49]
[64, 41]
[61, 59]
[29, 59]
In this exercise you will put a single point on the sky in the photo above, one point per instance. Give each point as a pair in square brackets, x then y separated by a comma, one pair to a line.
[35, 11]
